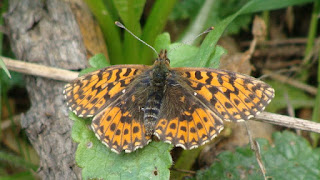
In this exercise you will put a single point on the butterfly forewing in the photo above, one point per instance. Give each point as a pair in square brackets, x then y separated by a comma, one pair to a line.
[230, 95]
[89, 94]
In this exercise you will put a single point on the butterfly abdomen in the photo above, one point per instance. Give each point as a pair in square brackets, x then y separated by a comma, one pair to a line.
[152, 109]
[154, 100]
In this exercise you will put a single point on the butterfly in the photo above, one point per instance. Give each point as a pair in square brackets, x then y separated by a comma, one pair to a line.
[182, 106]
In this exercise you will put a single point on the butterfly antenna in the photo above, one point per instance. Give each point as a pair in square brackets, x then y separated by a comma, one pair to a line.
[123, 27]
[191, 40]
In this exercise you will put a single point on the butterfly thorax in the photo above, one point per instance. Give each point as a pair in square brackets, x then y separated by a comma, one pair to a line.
[159, 74]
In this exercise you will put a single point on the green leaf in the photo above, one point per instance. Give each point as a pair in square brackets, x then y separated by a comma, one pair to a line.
[17, 160]
[297, 97]
[98, 161]
[214, 61]
[97, 62]
[289, 157]
[208, 46]
[155, 23]
[110, 31]
[3, 66]
[162, 41]
[182, 55]
[27, 175]
[222, 9]
[15, 80]
[130, 12]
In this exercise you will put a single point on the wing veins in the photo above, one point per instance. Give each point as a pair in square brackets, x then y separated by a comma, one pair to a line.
[197, 131]
[117, 82]
[178, 128]
[205, 85]
[259, 89]
[107, 92]
[114, 134]
[207, 131]
[232, 102]
[111, 122]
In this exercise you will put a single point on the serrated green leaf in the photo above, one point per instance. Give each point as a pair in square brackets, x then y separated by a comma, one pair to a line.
[99, 61]
[98, 161]
[87, 70]
[182, 55]
[297, 97]
[290, 157]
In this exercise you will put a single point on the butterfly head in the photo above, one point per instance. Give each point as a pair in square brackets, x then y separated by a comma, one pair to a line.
[162, 58]
[160, 68]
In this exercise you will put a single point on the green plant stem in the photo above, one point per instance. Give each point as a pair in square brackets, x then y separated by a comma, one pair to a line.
[312, 27]
[0, 107]
[1, 38]
[153, 27]
[311, 37]
[110, 31]
[130, 12]
[17, 161]
[266, 18]
[316, 109]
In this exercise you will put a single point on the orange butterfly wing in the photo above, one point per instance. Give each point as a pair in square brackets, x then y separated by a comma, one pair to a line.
[120, 126]
[185, 121]
[91, 93]
[232, 96]
[114, 96]
[198, 99]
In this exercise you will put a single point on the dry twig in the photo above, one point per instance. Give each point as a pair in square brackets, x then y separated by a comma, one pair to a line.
[310, 89]
[39, 70]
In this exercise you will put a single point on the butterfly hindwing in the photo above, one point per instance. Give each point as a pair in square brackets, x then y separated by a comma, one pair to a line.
[120, 125]
[184, 120]
[232, 96]
[89, 94]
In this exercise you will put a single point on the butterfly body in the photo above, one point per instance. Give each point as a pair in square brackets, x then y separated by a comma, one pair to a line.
[181, 106]
[155, 95]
